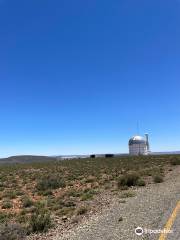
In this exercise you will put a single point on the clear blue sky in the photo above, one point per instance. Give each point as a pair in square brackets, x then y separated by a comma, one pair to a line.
[76, 76]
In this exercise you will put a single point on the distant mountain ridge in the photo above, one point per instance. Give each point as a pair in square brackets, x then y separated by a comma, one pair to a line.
[36, 159]
[26, 159]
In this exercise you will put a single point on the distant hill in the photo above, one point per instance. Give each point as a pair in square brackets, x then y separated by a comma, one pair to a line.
[166, 153]
[26, 159]
[33, 159]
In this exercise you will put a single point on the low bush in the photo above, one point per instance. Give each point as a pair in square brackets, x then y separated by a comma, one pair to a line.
[74, 193]
[40, 205]
[141, 182]
[86, 196]
[12, 231]
[123, 188]
[4, 217]
[47, 193]
[6, 204]
[27, 202]
[127, 194]
[40, 221]
[69, 204]
[22, 217]
[50, 182]
[82, 210]
[90, 179]
[129, 180]
[158, 179]
[19, 193]
[175, 161]
[66, 211]
[1, 184]
[9, 194]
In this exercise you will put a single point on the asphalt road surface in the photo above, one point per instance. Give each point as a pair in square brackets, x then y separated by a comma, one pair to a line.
[151, 209]
[176, 230]
[172, 225]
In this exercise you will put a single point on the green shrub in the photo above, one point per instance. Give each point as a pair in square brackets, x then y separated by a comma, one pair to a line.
[6, 204]
[51, 182]
[74, 193]
[1, 184]
[47, 193]
[12, 231]
[19, 193]
[90, 179]
[40, 205]
[123, 187]
[2, 189]
[158, 179]
[129, 180]
[86, 196]
[66, 211]
[127, 194]
[40, 221]
[10, 194]
[27, 202]
[22, 217]
[82, 210]
[69, 204]
[175, 161]
[4, 217]
[141, 182]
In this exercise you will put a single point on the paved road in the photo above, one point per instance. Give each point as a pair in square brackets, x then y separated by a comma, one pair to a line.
[172, 223]
[176, 230]
[150, 209]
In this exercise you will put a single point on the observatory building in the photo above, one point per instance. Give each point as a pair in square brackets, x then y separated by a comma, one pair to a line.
[139, 145]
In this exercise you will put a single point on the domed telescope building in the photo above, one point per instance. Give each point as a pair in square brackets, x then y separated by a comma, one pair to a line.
[139, 145]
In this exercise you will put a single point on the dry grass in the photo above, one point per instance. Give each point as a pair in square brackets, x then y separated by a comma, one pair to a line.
[66, 188]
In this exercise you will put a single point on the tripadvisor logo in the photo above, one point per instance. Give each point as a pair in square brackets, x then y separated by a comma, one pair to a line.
[139, 231]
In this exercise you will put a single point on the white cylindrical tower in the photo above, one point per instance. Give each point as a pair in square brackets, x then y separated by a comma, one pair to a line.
[147, 142]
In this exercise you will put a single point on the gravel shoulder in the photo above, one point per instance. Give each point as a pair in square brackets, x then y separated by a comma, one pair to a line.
[149, 209]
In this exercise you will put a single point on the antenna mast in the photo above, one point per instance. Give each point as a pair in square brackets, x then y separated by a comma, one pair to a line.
[138, 128]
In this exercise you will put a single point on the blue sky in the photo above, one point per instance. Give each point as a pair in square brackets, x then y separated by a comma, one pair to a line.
[76, 76]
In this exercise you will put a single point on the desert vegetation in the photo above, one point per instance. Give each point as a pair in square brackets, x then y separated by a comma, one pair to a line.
[34, 195]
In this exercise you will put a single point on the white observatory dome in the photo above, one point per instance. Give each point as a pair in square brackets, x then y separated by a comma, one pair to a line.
[136, 139]
[138, 145]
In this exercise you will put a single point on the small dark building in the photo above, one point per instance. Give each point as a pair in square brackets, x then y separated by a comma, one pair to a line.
[109, 155]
